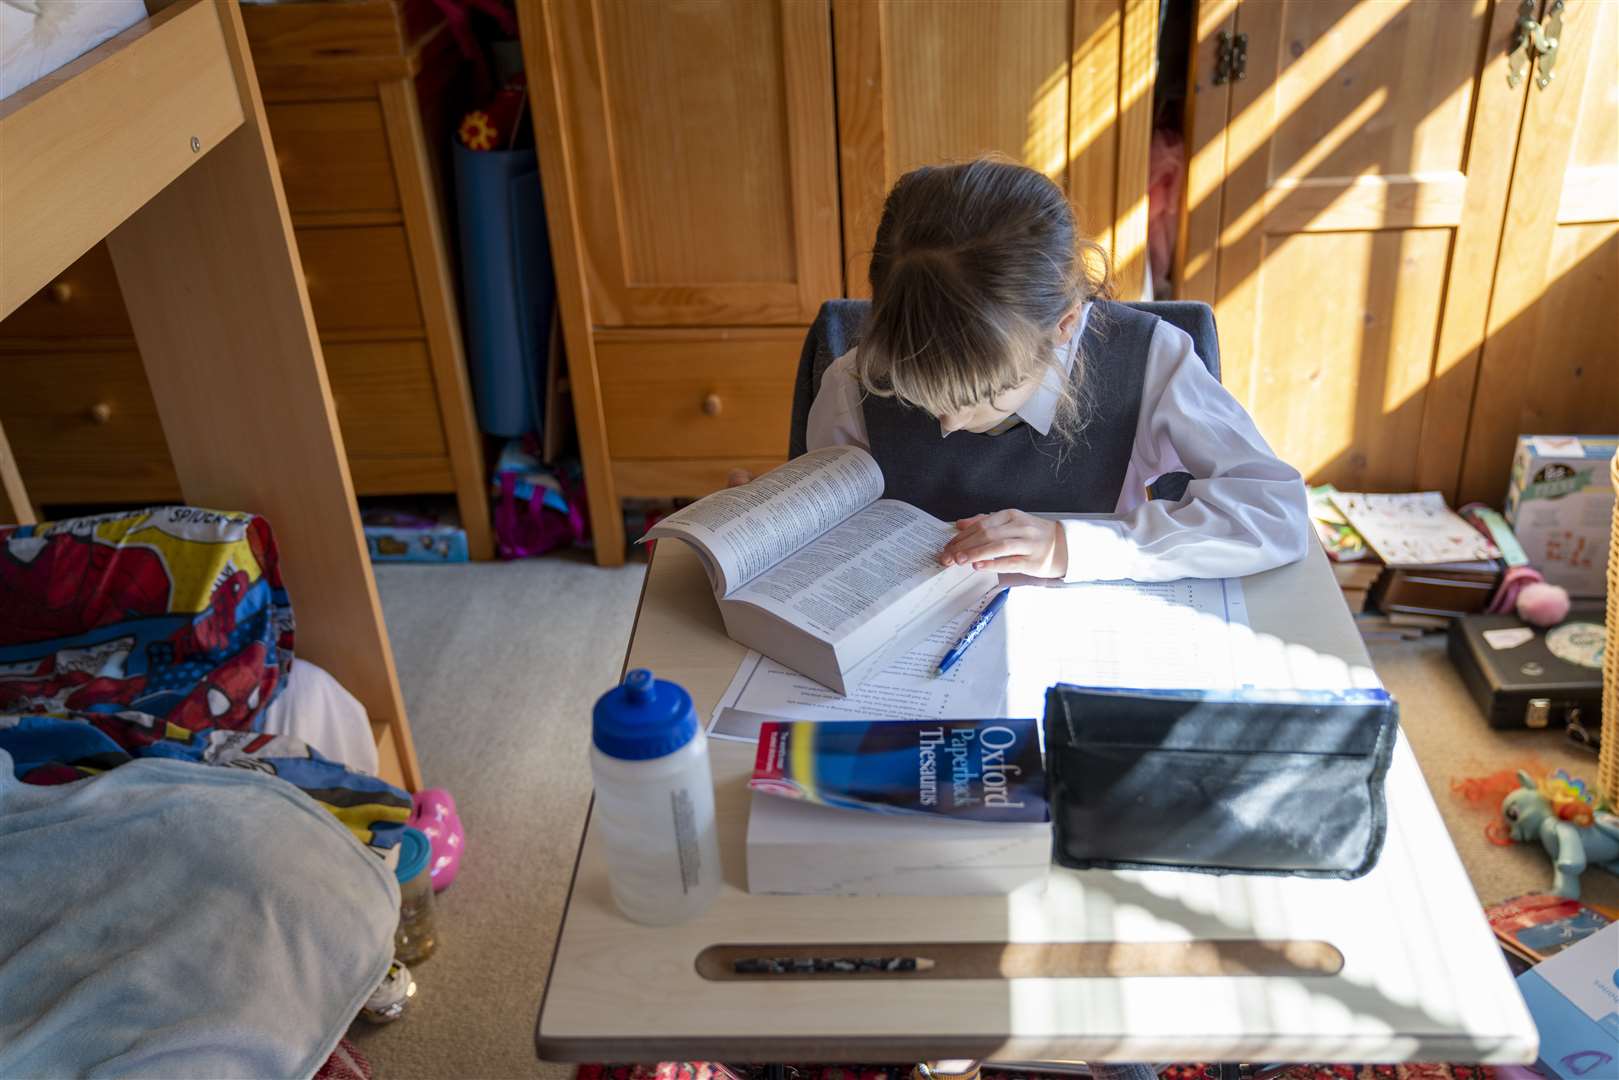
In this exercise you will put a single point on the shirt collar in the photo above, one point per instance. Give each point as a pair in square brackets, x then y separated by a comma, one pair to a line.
[1041, 409]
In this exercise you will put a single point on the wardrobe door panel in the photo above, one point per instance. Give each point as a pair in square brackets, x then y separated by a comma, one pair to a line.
[701, 136]
[1064, 86]
[1551, 362]
[1366, 151]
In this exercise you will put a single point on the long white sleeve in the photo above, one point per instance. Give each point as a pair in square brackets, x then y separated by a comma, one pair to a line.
[1244, 510]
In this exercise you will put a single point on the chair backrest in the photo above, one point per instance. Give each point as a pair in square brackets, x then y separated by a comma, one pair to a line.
[836, 330]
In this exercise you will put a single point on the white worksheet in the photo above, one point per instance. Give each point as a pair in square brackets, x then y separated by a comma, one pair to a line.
[1165, 635]
[908, 689]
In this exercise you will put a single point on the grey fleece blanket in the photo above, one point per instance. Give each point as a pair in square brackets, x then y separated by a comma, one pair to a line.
[170, 919]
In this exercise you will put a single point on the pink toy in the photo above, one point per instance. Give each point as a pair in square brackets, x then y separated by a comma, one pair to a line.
[1536, 602]
[1542, 604]
[434, 813]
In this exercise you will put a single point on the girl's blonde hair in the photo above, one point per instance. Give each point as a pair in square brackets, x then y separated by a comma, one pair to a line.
[973, 267]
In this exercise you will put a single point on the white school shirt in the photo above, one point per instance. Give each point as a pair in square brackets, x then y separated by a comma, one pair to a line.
[1244, 511]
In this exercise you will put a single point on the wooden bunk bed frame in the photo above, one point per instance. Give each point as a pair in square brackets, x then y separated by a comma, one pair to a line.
[156, 141]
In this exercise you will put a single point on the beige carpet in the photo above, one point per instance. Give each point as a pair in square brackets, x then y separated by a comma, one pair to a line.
[500, 665]
[1451, 740]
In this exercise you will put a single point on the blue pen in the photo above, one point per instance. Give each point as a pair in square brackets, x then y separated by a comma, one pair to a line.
[959, 649]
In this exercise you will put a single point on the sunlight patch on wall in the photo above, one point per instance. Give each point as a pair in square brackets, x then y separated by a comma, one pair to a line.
[1045, 146]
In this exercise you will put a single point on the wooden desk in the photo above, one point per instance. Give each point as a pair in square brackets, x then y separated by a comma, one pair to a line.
[1422, 979]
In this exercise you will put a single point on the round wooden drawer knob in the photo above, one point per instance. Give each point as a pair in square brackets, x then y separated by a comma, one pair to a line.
[61, 291]
[100, 412]
[712, 405]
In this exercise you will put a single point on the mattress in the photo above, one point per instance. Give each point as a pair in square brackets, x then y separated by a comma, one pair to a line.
[39, 36]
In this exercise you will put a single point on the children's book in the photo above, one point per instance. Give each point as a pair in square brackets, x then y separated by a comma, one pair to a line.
[815, 569]
[1342, 543]
[1574, 998]
[966, 770]
[1415, 529]
[1541, 925]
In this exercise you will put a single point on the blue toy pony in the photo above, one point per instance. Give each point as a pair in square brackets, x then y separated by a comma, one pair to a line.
[1562, 815]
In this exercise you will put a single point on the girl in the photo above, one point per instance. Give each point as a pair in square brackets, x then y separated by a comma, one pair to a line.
[994, 382]
[993, 373]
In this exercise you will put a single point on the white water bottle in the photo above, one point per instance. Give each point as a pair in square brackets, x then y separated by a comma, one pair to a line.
[654, 800]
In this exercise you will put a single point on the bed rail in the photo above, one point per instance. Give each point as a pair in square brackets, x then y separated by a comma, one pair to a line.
[89, 144]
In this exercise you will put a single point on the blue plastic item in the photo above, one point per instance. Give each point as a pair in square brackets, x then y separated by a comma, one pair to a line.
[415, 849]
[643, 718]
[436, 544]
[507, 285]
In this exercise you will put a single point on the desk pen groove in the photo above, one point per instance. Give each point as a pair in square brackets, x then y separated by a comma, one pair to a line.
[1000, 960]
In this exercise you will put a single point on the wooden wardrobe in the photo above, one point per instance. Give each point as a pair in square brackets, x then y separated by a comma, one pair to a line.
[1412, 257]
[714, 171]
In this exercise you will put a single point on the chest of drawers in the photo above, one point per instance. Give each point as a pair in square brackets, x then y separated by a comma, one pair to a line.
[354, 95]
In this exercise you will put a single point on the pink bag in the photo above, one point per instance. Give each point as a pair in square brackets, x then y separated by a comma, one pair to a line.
[527, 527]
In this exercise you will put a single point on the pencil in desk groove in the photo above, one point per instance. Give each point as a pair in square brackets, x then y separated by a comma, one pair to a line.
[829, 965]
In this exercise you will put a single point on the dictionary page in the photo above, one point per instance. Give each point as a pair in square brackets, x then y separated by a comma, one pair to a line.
[743, 531]
[881, 562]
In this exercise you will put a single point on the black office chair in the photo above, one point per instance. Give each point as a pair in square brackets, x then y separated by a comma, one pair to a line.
[837, 325]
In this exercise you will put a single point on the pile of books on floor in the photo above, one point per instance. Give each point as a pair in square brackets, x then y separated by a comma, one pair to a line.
[1353, 563]
[1407, 563]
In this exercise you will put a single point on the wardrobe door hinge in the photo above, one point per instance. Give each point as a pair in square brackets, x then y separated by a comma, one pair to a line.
[1231, 58]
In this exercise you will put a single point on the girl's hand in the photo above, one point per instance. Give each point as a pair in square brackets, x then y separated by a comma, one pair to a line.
[737, 477]
[1009, 542]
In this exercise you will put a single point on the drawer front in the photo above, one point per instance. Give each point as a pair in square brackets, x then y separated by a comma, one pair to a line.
[681, 478]
[84, 428]
[333, 156]
[360, 280]
[83, 302]
[386, 405]
[360, 283]
[698, 394]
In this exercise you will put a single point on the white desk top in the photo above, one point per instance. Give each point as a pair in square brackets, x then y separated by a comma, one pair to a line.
[1422, 978]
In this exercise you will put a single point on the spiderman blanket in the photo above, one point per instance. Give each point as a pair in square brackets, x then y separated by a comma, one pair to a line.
[156, 633]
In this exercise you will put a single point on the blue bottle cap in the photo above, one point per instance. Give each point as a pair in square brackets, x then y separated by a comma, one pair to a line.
[644, 718]
[415, 849]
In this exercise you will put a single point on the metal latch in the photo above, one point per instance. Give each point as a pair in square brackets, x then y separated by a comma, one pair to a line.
[1538, 713]
[1534, 40]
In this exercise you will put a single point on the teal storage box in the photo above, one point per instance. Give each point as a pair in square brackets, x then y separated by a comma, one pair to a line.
[432, 544]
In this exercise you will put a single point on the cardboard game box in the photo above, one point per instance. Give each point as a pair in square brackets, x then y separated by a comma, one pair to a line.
[1541, 925]
[1574, 998]
[1560, 504]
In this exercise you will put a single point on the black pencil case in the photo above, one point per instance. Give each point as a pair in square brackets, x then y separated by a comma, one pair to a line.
[1268, 782]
